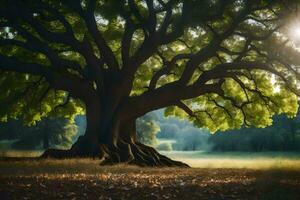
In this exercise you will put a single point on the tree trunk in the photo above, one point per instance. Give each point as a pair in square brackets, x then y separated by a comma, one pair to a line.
[113, 141]
[46, 135]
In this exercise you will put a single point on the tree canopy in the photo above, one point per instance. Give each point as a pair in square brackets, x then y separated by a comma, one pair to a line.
[222, 64]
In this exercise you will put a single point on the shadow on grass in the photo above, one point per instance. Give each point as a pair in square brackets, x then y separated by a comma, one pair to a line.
[86, 179]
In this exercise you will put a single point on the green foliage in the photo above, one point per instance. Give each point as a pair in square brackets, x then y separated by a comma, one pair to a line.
[164, 147]
[175, 134]
[49, 132]
[180, 135]
[30, 98]
[264, 99]
[283, 135]
[249, 98]
[147, 129]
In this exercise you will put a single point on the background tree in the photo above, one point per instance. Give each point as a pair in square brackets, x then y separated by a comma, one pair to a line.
[224, 63]
[175, 134]
[147, 129]
[181, 135]
[49, 132]
[283, 135]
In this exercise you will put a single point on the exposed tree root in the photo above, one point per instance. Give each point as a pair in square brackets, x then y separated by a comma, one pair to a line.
[130, 153]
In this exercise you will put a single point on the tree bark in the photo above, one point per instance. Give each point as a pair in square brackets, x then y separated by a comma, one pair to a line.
[112, 141]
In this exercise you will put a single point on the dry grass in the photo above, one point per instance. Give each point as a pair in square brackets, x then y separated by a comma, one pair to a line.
[86, 179]
[197, 159]
[227, 176]
[239, 160]
[16, 153]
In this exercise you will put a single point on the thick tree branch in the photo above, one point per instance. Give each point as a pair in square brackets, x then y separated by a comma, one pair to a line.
[67, 38]
[168, 66]
[63, 104]
[167, 95]
[151, 16]
[12, 64]
[34, 45]
[184, 107]
[209, 51]
[126, 39]
[92, 26]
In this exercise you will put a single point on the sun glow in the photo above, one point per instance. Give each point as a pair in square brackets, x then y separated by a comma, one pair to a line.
[294, 33]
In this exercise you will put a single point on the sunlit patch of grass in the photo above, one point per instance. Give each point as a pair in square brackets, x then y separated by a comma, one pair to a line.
[239, 160]
[19, 153]
[244, 163]
[196, 159]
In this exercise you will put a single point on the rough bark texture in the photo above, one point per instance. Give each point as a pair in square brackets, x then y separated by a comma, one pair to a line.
[125, 149]
[112, 141]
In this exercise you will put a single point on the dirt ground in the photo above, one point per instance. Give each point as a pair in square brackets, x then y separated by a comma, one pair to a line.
[85, 179]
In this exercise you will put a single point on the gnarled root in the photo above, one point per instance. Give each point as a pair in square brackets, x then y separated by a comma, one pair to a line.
[125, 152]
[148, 156]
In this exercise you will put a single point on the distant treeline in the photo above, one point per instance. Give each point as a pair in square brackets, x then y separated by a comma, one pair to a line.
[283, 135]
[49, 132]
[171, 133]
[162, 133]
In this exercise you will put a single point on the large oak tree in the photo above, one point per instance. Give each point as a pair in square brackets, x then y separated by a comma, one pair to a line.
[221, 64]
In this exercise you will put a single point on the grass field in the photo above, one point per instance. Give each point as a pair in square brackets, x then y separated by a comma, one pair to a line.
[218, 176]
[200, 159]
[238, 160]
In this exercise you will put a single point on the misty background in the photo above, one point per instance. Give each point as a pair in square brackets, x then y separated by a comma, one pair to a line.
[163, 133]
